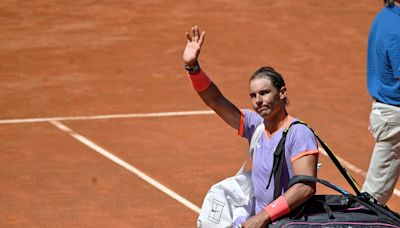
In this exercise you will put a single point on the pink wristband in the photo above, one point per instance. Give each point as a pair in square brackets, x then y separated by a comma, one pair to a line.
[199, 81]
[277, 208]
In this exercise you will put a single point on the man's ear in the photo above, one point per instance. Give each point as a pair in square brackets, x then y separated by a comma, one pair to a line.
[283, 92]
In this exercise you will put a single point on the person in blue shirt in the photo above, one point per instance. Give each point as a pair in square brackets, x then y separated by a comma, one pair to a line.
[383, 81]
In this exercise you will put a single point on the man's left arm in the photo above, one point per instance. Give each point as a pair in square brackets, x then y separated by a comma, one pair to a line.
[301, 192]
[292, 198]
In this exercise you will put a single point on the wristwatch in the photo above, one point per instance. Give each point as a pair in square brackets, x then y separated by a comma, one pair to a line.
[194, 69]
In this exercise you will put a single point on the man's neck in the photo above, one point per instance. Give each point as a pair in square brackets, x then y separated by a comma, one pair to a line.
[277, 121]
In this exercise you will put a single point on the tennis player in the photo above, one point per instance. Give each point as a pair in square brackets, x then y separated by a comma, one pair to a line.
[268, 96]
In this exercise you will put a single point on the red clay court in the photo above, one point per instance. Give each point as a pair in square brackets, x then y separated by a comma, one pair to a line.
[100, 127]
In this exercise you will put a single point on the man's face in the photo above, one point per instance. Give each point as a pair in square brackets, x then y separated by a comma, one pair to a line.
[265, 98]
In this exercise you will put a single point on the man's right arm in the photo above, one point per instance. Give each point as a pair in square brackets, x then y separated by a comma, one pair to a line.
[206, 89]
[214, 99]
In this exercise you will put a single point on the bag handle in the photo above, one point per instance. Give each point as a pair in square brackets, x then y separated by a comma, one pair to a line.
[253, 143]
[305, 178]
[363, 198]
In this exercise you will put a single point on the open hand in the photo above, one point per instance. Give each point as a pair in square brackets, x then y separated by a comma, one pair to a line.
[193, 45]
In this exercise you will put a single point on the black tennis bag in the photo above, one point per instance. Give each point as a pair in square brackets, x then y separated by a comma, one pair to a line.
[344, 210]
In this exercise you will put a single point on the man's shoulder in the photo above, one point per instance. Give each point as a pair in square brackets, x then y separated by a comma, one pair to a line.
[299, 129]
[252, 115]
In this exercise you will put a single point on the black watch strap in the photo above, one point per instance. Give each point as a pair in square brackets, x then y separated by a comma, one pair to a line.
[193, 70]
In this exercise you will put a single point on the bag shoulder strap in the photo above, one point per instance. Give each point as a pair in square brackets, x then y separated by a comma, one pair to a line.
[277, 167]
[354, 185]
[280, 153]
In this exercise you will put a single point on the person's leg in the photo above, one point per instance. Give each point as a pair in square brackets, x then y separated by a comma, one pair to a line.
[384, 168]
[383, 173]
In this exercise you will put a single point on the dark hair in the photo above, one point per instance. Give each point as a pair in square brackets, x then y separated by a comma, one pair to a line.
[389, 3]
[271, 74]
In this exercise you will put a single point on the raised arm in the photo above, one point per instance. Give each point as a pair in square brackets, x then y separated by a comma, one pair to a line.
[206, 89]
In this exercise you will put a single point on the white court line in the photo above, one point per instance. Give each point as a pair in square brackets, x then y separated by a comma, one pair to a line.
[345, 163]
[354, 168]
[158, 114]
[115, 116]
[125, 165]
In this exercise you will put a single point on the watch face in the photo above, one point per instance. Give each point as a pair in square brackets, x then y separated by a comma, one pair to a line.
[196, 68]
